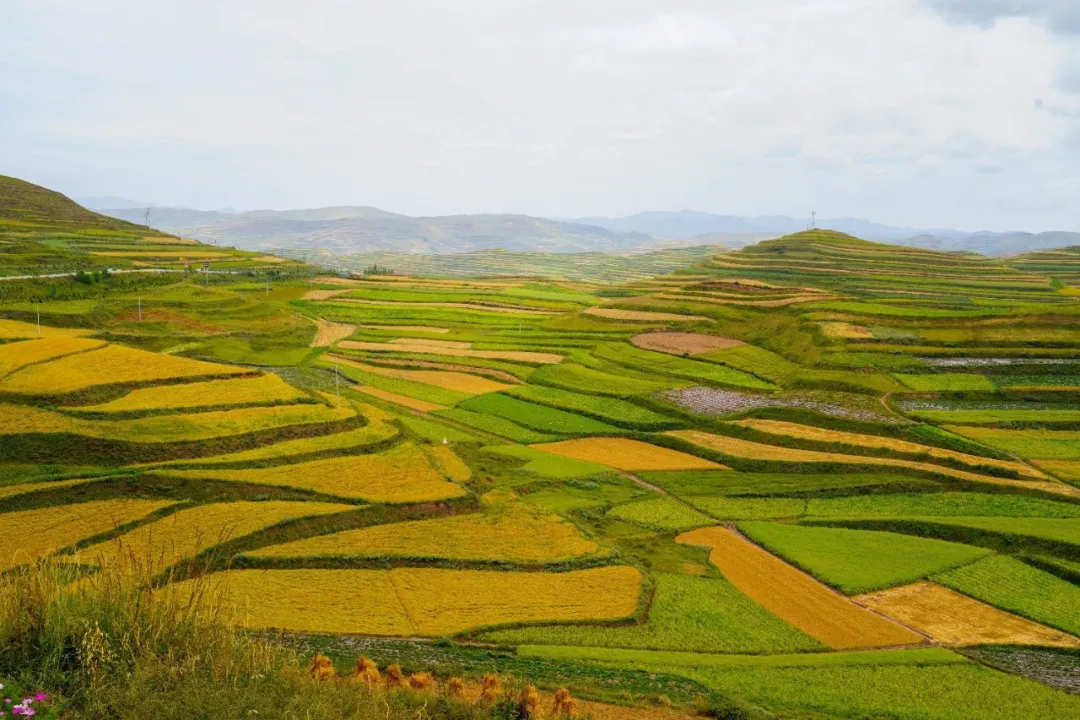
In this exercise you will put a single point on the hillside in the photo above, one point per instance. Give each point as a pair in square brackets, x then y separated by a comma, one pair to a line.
[25, 206]
[1063, 265]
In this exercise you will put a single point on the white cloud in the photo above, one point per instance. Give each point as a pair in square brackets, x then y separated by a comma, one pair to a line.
[877, 108]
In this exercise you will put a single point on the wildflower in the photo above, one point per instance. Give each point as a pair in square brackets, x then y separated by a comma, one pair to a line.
[40, 697]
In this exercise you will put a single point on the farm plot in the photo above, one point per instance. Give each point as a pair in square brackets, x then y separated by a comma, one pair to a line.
[16, 355]
[537, 417]
[188, 532]
[939, 504]
[609, 409]
[549, 465]
[1063, 530]
[390, 383]
[797, 598]
[494, 425]
[809, 432]
[1019, 588]
[425, 601]
[1042, 444]
[750, 508]
[663, 364]
[402, 400]
[626, 454]
[858, 561]
[18, 330]
[448, 463]
[7, 491]
[947, 382]
[329, 333]
[457, 382]
[954, 619]
[23, 419]
[513, 533]
[643, 315]
[110, 365]
[399, 475]
[1065, 469]
[263, 389]
[29, 534]
[662, 513]
[705, 615]
[579, 378]
[683, 343]
[714, 401]
[537, 358]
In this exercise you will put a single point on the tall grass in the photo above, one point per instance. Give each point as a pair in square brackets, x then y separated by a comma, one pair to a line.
[114, 645]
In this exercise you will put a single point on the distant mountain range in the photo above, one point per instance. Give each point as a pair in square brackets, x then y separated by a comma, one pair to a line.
[360, 229]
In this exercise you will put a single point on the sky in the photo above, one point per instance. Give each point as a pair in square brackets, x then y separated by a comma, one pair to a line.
[924, 113]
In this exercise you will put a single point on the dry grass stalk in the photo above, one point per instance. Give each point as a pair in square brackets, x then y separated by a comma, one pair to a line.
[530, 704]
[564, 705]
[422, 682]
[455, 687]
[322, 668]
[395, 679]
[491, 690]
[367, 672]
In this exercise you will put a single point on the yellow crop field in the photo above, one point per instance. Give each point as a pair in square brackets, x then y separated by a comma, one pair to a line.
[401, 474]
[450, 344]
[844, 331]
[408, 328]
[516, 309]
[760, 451]
[412, 403]
[18, 330]
[948, 617]
[809, 432]
[192, 255]
[513, 532]
[17, 355]
[30, 534]
[446, 602]
[643, 315]
[457, 381]
[682, 343]
[231, 391]
[329, 333]
[448, 463]
[190, 531]
[423, 601]
[19, 419]
[7, 491]
[107, 366]
[1065, 469]
[796, 597]
[428, 349]
[625, 454]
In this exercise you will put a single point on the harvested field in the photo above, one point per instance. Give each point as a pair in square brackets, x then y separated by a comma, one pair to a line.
[452, 367]
[643, 315]
[712, 401]
[844, 331]
[449, 344]
[401, 474]
[29, 534]
[796, 597]
[408, 328]
[262, 389]
[186, 533]
[513, 533]
[323, 294]
[948, 617]
[16, 355]
[108, 366]
[760, 451]
[809, 432]
[329, 332]
[18, 330]
[626, 454]
[411, 403]
[424, 601]
[516, 309]
[679, 343]
[456, 381]
[429, 349]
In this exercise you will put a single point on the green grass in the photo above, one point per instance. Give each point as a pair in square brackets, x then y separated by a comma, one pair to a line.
[576, 494]
[679, 367]
[548, 465]
[940, 504]
[1017, 587]
[661, 513]
[436, 431]
[858, 561]
[408, 388]
[731, 508]
[689, 613]
[537, 417]
[1062, 530]
[579, 378]
[613, 410]
[947, 382]
[495, 425]
[992, 417]
[1042, 444]
[713, 482]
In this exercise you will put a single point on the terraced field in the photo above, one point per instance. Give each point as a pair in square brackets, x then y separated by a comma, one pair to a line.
[770, 477]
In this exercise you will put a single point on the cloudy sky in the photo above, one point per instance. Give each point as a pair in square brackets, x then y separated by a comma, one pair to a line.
[951, 113]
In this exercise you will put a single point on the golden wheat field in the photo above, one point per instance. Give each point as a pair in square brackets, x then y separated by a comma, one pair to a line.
[525, 356]
[402, 400]
[456, 381]
[511, 532]
[449, 344]
[808, 432]
[110, 365]
[796, 597]
[1064, 469]
[423, 601]
[29, 534]
[626, 454]
[760, 451]
[19, 419]
[401, 474]
[18, 330]
[17, 355]
[948, 617]
[844, 331]
[190, 531]
[643, 315]
[263, 389]
[7, 491]
[448, 463]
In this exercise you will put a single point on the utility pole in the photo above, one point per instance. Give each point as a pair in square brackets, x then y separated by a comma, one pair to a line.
[38, 321]
[813, 219]
[146, 217]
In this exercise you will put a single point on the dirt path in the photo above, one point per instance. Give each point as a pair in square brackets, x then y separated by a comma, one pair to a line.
[330, 332]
